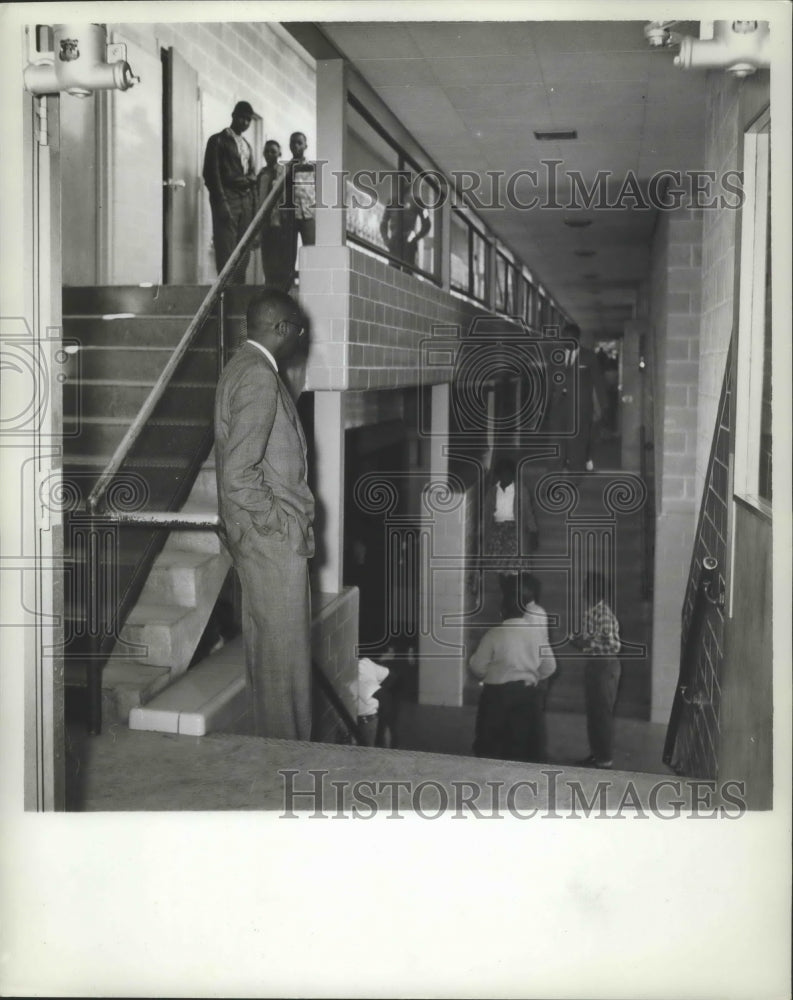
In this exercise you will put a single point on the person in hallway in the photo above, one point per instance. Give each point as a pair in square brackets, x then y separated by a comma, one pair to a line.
[610, 366]
[601, 640]
[273, 242]
[576, 385]
[509, 525]
[301, 198]
[404, 226]
[230, 178]
[267, 513]
[513, 661]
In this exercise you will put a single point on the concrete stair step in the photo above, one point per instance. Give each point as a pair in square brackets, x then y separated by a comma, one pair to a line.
[203, 500]
[150, 300]
[99, 436]
[208, 697]
[126, 684]
[140, 363]
[179, 577]
[138, 330]
[122, 400]
[164, 631]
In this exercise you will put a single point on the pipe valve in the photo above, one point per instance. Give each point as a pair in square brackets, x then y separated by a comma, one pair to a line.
[80, 63]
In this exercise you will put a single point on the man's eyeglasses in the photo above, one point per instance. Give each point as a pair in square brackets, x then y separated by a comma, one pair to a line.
[295, 326]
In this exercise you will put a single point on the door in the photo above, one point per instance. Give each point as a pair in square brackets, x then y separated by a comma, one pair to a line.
[181, 174]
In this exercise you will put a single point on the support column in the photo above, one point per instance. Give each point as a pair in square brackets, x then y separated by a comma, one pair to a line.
[329, 490]
[630, 402]
[439, 441]
[442, 574]
[331, 136]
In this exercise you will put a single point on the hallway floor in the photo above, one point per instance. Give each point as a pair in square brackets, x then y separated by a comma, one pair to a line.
[126, 770]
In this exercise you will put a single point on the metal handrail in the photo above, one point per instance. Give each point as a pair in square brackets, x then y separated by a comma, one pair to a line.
[174, 520]
[97, 494]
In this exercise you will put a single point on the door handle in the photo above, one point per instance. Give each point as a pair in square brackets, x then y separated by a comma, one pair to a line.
[174, 182]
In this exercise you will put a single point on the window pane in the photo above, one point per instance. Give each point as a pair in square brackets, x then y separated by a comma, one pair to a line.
[528, 304]
[459, 254]
[501, 283]
[370, 193]
[420, 221]
[764, 471]
[481, 247]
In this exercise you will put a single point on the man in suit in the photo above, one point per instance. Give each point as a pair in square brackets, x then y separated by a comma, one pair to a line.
[267, 512]
[231, 180]
[575, 383]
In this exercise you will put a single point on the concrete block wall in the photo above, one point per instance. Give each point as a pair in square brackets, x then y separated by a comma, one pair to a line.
[369, 320]
[674, 314]
[252, 61]
[334, 638]
[719, 234]
[365, 408]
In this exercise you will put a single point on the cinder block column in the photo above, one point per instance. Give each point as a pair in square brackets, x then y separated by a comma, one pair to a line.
[331, 134]
[329, 489]
[439, 441]
[441, 653]
[631, 397]
[675, 318]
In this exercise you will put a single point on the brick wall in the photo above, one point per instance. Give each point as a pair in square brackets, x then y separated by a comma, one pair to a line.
[674, 308]
[697, 749]
[334, 637]
[719, 233]
[364, 408]
[369, 320]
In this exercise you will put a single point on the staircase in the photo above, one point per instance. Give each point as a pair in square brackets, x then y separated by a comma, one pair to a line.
[156, 599]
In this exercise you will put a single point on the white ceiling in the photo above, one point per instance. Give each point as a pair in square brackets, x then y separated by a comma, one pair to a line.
[473, 93]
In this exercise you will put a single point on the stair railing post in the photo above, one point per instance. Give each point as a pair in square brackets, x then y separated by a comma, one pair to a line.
[101, 609]
[221, 333]
[94, 666]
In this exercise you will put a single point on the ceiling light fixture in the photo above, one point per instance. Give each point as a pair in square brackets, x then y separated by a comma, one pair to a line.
[556, 134]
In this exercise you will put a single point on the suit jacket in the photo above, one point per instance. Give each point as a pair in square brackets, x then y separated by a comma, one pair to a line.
[583, 381]
[223, 173]
[260, 459]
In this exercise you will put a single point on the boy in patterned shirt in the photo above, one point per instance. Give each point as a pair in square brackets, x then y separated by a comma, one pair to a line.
[601, 639]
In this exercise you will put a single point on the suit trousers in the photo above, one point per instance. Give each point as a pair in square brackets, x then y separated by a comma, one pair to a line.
[570, 421]
[510, 722]
[276, 262]
[228, 230]
[601, 680]
[305, 228]
[276, 625]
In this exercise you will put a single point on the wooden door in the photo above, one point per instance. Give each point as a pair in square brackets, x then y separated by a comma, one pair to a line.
[181, 173]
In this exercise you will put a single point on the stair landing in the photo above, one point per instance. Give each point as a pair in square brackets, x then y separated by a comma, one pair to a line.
[210, 696]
